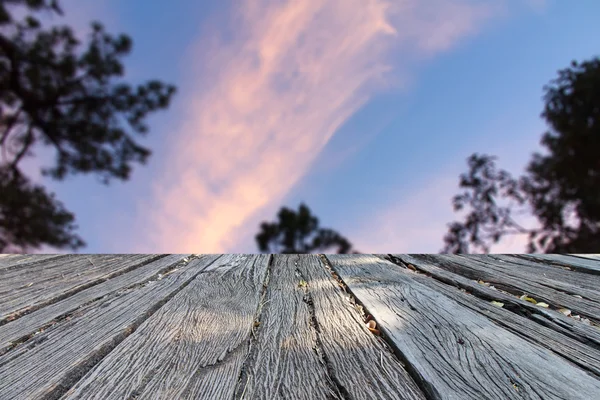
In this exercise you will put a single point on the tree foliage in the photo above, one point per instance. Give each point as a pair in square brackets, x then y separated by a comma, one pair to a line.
[560, 187]
[299, 233]
[57, 92]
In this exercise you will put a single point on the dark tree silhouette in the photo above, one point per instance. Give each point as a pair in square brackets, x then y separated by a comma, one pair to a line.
[55, 92]
[561, 187]
[299, 233]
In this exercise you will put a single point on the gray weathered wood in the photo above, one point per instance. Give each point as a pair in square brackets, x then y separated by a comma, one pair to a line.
[310, 333]
[550, 329]
[27, 289]
[577, 263]
[359, 360]
[193, 347]
[54, 360]
[285, 355]
[17, 260]
[456, 352]
[589, 256]
[36, 320]
[568, 280]
[511, 278]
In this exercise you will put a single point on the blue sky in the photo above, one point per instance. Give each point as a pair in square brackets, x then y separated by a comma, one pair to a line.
[365, 111]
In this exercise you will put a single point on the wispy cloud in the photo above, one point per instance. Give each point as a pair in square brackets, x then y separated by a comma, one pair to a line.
[271, 97]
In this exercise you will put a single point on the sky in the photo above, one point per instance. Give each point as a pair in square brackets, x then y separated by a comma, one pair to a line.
[365, 110]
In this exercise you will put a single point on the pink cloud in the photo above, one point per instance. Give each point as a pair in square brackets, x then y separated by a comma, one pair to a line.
[270, 98]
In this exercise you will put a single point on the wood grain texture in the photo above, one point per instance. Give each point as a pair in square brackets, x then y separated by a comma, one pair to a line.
[30, 323]
[457, 352]
[17, 260]
[560, 278]
[55, 359]
[588, 256]
[24, 289]
[193, 347]
[359, 361]
[577, 263]
[569, 281]
[512, 279]
[547, 329]
[286, 354]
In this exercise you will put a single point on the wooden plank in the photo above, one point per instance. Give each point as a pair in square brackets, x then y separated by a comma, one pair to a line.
[310, 333]
[15, 331]
[571, 340]
[360, 361]
[55, 359]
[456, 352]
[560, 278]
[24, 290]
[588, 256]
[510, 279]
[577, 263]
[17, 260]
[285, 354]
[193, 347]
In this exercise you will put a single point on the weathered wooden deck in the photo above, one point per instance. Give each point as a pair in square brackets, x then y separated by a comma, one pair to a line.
[299, 327]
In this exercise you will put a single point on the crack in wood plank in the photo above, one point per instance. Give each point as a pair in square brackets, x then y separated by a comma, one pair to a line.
[52, 367]
[586, 357]
[457, 350]
[338, 388]
[188, 348]
[36, 305]
[24, 328]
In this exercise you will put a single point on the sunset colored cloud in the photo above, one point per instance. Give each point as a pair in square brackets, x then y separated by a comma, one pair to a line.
[271, 94]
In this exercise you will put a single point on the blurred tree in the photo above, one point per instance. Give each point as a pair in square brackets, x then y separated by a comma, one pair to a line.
[561, 188]
[55, 93]
[299, 233]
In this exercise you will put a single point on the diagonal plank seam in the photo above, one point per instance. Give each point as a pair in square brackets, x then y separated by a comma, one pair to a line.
[35, 262]
[81, 369]
[537, 311]
[517, 306]
[68, 315]
[515, 290]
[244, 377]
[556, 263]
[320, 350]
[529, 311]
[18, 314]
[428, 390]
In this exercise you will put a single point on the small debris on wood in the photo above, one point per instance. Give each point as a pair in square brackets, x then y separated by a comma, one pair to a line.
[497, 303]
[529, 299]
[371, 326]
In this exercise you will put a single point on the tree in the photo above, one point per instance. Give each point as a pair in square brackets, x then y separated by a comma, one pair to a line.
[561, 188]
[57, 93]
[299, 233]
